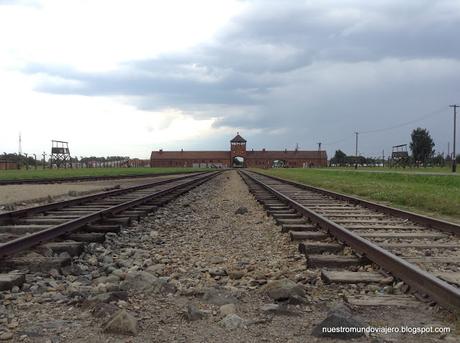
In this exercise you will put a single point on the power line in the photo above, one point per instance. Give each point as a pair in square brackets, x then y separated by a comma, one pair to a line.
[428, 115]
[339, 141]
[431, 114]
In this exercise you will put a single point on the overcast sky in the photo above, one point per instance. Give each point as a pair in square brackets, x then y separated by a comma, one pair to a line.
[127, 77]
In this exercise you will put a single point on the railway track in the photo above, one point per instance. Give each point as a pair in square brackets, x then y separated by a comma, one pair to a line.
[65, 226]
[388, 246]
[82, 178]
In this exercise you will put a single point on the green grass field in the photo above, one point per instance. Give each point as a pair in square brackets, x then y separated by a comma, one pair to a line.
[396, 170]
[434, 195]
[65, 173]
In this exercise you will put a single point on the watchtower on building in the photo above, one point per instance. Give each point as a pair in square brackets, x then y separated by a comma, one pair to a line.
[239, 157]
[238, 151]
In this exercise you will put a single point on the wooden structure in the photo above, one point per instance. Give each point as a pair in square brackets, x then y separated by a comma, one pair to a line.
[399, 155]
[60, 154]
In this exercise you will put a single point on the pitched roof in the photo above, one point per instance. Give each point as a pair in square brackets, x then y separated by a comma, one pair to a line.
[238, 139]
[280, 155]
[192, 155]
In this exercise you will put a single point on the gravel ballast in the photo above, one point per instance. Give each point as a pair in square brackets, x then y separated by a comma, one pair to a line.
[210, 266]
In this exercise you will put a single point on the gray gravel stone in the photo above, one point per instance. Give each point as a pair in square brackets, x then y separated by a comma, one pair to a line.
[156, 269]
[193, 313]
[140, 281]
[217, 272]
[285, 290]
[122, 322]
[342, 317]
[227, 309]
[232, 321]
[241, 210]
[219, 296]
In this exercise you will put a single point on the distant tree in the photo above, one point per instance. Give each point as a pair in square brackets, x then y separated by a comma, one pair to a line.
[458, 159]
[361, 160]
[339, 157]
[372, 161]
[421, 146]
[438, 160]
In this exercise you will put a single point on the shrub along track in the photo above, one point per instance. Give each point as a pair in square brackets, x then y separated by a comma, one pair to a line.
[420, 251]
[73, 222]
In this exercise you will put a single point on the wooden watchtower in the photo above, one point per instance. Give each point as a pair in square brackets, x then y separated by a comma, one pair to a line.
[60, 154]
[400, 155]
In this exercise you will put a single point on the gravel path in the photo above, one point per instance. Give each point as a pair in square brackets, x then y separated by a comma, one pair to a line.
[179, 271]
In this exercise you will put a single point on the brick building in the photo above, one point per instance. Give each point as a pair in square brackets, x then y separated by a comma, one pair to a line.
[5, 165]
[238, 156]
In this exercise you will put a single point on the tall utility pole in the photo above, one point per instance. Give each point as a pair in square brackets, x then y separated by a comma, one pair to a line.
[20, 145]
[356, 150]
[454, 157]
[319, 146]
[383, 158]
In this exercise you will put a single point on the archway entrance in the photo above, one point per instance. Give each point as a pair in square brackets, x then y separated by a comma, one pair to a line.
[278, 164]
[238, 162]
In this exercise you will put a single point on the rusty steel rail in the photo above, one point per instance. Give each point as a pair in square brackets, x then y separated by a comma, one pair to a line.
[439, 224]
[8, 216]
[86, 178]
[424, 282]
[22, 243]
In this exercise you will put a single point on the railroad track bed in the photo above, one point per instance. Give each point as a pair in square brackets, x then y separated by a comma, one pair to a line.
[433, 252]
[83, 178]
[19, 196]
[210, 265]
[58, 232]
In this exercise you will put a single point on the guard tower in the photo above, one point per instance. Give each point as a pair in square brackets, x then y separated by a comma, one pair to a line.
[399, 155]
[238, 151]
[60, 154]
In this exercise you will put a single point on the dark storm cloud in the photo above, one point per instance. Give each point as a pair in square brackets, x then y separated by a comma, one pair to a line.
[158, 83]
[304, 71]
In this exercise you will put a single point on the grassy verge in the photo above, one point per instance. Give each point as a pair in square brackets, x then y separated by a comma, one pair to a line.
[67, 173]
[395, 170]
[428, 194]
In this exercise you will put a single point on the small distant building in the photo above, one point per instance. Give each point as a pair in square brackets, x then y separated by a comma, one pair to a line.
[6, 165]
[239, 157]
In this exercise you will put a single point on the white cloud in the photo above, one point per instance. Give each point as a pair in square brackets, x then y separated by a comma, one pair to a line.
[93, 36]
[163, 74]
[97, 35]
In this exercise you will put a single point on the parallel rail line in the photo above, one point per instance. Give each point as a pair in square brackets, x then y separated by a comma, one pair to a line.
[47, 222]
[85, 178]
[370, 230]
